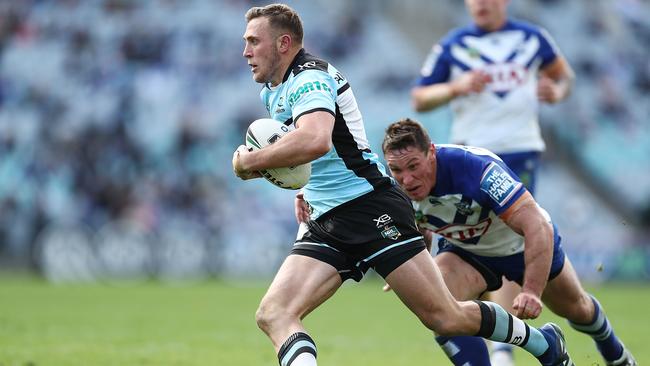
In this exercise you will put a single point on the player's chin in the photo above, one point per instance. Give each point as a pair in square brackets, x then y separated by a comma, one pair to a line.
[416, 194]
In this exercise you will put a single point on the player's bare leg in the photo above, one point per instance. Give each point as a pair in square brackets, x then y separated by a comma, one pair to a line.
[501, 354]
[465, 283]
[565, 296]
[420, 286]
[301, 285]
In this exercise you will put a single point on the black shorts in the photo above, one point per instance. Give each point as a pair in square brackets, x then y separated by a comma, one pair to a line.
[376, 230]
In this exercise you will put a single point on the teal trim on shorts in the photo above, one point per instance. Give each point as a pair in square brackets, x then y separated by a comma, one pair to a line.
[389, 248]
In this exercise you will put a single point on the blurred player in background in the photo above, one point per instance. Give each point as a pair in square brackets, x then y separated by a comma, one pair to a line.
[491, 228]
[353, 216]
[493, 73]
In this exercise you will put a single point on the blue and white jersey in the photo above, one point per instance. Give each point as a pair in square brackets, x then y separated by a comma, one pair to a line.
[473, 186]
[349, 169]
[504, 117]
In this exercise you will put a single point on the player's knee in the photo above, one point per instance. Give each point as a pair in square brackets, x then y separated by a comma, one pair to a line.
[266, 315]
[582, 311]
[271, 315]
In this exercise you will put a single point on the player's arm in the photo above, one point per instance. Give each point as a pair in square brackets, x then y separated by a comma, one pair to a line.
[555, 81]
[525, 218]
[428, 97]
[310, 140]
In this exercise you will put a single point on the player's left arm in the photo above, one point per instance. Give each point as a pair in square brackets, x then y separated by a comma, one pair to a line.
[525, 218]
[555, 81]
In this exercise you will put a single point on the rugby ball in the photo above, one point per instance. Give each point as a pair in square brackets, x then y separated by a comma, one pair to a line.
[266, 131]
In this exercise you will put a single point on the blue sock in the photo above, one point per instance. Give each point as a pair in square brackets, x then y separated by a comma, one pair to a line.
[498, 325]
[465, 350]
[601, 331]
[295, 345]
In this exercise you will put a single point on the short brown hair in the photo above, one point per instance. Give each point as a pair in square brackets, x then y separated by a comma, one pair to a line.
[406, 133]
[281, 17]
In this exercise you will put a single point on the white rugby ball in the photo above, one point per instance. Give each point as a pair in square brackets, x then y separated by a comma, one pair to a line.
[264, 132]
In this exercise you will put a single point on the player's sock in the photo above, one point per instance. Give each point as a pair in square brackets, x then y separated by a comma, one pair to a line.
[298, 350]
[501, 354]
[498, 325]
[465, 350]
[601, 331]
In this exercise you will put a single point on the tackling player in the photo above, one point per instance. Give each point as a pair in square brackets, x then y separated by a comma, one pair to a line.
[491, 227]
[354, 216]
[493, 73]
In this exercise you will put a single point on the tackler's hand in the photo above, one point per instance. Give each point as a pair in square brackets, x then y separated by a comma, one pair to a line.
[527, 305]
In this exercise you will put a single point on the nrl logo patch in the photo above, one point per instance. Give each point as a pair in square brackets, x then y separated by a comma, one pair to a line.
[391, 232]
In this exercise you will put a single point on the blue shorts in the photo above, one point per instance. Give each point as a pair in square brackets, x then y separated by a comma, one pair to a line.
[512, 266]
[525, 165]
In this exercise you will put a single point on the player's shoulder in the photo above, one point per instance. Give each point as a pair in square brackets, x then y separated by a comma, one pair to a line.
[308, 63]
[465, 153]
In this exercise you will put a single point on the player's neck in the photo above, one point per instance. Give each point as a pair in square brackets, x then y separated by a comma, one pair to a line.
[285, 63]
[494, 26]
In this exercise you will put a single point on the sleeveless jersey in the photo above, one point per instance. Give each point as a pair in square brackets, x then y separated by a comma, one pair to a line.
[350, 169]
[473, 186]
[504, 117]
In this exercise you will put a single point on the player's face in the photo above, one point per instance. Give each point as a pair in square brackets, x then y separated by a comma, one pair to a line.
[414, 170]
[488, 14]
[261, 51]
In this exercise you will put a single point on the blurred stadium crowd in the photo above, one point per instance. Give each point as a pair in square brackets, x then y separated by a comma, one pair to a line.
[118, 119]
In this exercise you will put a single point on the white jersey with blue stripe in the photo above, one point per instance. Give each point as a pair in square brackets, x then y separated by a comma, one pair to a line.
[504, 116]
[473, 186]
[350, 169]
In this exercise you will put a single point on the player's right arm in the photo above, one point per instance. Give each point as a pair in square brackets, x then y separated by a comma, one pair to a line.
[428, 97]
[311, 140]
[435, 87]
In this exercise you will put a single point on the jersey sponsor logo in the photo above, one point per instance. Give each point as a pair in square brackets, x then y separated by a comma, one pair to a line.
[306, 88]
[339, 77]
[307, 65]
[383, 220]
[498, 184]
[505, 76]
[464, 231]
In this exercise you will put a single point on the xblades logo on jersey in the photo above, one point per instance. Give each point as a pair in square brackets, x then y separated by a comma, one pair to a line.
[307, 65]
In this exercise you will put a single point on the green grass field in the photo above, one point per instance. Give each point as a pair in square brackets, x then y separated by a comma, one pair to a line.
[213, 323]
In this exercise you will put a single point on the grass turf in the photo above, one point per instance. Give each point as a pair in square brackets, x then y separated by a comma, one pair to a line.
[212, 323]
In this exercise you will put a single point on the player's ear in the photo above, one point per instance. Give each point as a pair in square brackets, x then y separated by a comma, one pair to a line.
[284, 42]
[432, 150]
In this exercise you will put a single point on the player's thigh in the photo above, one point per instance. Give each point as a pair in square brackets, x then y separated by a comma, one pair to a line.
[461, 278]
[301, 285]
[565, 296]
[419, 284]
